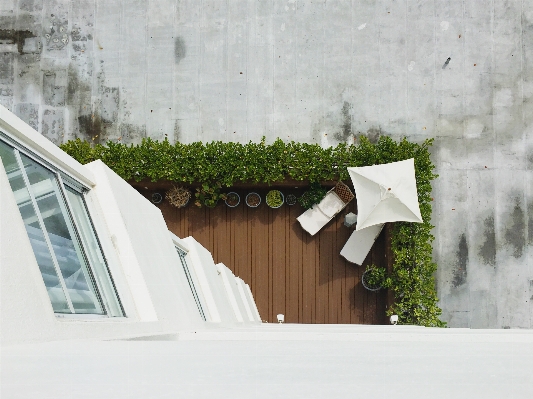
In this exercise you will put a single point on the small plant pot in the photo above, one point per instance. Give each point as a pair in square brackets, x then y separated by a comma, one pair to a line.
[291, 199]
[232, 199]
[253, 200]
[274, 199]
[178, 196]
[367, 285]
[157, 198]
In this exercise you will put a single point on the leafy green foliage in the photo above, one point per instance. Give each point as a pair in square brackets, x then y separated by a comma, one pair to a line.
[208, 195]
[375, 276]
[218, 164]
[274, 199]
[313, 196]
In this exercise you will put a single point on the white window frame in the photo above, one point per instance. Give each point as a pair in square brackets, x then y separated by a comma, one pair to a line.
[65, 180]
[189, 271]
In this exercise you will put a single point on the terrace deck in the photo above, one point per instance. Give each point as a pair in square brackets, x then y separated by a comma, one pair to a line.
[288, 271]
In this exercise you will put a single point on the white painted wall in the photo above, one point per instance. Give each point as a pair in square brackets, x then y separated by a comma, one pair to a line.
[142, 259]
[149, 260]
[140, 253]
[215, 283]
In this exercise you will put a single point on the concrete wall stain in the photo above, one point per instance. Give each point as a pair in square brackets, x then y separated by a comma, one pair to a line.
[53, 125]
[177, 131]
[487, 251]
[373, 134]
[30, 5]
[110, 101]
[56, 34]
[346, 127]
[514, 233]
[54, 94]
[530, 158]
[460, 272]
[17, 37]
[91, 126]
[78, 92]
[7, 76]
[29, 113]
[530, 222]
[132, 133]
[180, 49]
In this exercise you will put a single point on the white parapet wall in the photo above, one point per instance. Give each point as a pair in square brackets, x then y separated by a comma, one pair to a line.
[213, 285]
[151, 266]
[165, 285]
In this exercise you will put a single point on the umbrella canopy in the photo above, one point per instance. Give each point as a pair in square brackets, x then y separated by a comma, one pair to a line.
[386, 193]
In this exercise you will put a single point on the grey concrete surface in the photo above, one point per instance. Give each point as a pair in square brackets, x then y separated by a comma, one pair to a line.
[460, 71]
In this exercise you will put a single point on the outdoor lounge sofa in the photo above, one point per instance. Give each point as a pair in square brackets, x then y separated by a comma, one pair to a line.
[360, 242]
[320, 214]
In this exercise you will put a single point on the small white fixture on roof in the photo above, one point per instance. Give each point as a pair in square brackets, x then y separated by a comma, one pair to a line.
[350, 219]
[386, 193]
[281, 318]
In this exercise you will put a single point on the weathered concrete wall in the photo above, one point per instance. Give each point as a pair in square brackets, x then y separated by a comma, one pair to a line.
[460, 71]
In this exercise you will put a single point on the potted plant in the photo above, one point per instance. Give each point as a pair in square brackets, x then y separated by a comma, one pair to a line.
[274, 199]
[313, 196]
[291, 199]
[253, 200]
[374, 278]
[177, 196]
[232, 199]
[208, 195]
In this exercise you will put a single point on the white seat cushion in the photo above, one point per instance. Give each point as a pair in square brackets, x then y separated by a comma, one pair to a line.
[360, 243]
[331, 204]
[312, 220]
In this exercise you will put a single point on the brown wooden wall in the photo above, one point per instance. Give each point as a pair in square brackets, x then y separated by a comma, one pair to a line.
[288, 271]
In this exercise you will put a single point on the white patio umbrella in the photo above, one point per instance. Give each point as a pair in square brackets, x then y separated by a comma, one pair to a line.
[386, 193]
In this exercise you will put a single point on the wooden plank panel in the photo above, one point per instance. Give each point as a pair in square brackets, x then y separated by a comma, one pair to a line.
[348, 283]
[294, 262]
[324, 273]
[278, 246]
[339, 268]
[241, 255]
[380, 259]
[199, 226]
[218, 237]
[309, 273]
[258, 231]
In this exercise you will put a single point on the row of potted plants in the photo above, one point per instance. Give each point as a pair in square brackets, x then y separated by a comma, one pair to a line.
[180, 196]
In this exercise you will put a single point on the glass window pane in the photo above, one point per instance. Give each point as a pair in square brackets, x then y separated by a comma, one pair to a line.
[92, 248]
[35, 234]
[65, 245]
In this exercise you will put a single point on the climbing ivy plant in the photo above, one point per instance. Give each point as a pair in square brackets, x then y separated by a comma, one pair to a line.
[217, 164]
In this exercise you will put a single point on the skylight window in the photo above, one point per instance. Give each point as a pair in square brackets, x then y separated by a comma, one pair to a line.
[61, 235]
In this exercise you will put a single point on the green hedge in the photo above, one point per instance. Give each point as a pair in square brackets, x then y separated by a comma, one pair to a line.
[219, 163]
